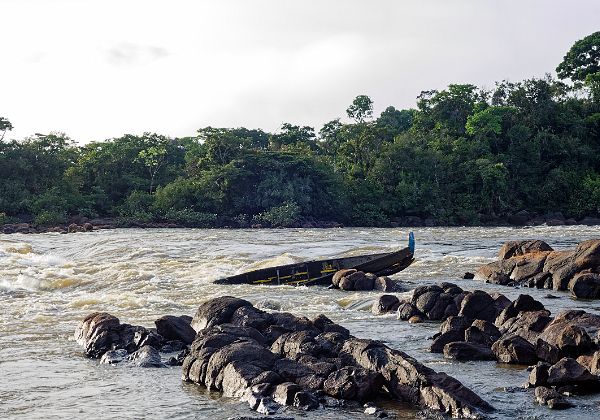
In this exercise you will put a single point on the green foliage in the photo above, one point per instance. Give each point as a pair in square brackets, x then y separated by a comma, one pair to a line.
[281, 216]
[465, 155]
[5, 126]
[50, 218]
[582, 59]
[191, 218]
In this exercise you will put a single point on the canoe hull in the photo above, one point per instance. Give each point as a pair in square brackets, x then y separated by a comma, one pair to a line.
[320, 272]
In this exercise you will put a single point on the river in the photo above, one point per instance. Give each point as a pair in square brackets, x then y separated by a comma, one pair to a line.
[49, 282]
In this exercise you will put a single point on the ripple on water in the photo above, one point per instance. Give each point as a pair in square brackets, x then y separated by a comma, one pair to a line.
[49, 282]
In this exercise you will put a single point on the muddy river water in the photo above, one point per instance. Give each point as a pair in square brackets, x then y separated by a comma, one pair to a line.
[49, 282]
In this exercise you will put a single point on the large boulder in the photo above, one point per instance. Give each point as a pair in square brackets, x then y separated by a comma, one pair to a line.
[385, 304]
[468, 351]
[176, 328]
[572, 332]
[585, 286]
[217, 311]
[514, 349]
[516, 248]
[568, 372]
[478, 305]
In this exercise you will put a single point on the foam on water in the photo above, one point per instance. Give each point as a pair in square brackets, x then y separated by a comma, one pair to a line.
[48, 283]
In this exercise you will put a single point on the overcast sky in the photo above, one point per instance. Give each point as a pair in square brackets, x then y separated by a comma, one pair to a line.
[100, 69]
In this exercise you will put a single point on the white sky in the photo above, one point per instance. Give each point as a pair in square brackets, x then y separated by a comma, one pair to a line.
[99, 69]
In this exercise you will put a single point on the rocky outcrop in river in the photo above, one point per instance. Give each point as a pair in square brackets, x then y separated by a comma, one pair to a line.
[480, 326]
[273, 360]
[534, 263]
[276, 359]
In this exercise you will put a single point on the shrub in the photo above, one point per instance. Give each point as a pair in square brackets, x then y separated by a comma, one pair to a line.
[50, 218]
[281, 216]
[191, 218]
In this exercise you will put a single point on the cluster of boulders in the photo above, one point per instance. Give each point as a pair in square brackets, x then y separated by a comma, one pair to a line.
[273, 360]
[351, 279]
[104, 337]
[29, 228]
[481, 326]
[534, 263]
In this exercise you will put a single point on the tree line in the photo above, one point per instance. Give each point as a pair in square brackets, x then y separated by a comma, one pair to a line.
[464, 155]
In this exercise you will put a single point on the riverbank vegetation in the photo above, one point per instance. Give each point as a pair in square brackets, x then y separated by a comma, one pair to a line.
[464, 155]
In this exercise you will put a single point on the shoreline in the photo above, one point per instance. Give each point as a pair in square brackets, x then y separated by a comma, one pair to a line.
[88, 225]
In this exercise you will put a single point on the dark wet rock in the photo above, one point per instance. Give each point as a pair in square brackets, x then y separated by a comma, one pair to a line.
[385, 303]
[585, 286]
[528, 325]
[468, 351]
[217, 311]
[514, 349]
[438, 311]
[478, 305]
[407, 310]
[569, 332]
[112, 357]
[547, 352]
[424, 297]
[146, 356]
[372, 410]
[474, 335]
[284, 393]
[324, 324]
[524, 303]
[176, 328]
[353, 383]
[101, 332]
[456, 323]
[364, 281]
[385, 284]
[539, 375]
[249, 316]
[551, 398]
[468, 276]
[448, 337]
[173, 346]
[308, 366]
[568, 372]
[591, 362]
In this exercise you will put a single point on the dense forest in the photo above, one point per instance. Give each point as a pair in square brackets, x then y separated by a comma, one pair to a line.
[465, 155]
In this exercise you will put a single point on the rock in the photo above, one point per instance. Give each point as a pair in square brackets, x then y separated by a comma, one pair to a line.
[353, 383]
[568, 372]
[515, 248]
[364, 281]
[88, 227]
[528, 325]
[567, 332]
[335, 280]
[100, 332]
[284, 393]
[456, 323]
[146, 356]
[547, 352]
[415, 319]
[407, 310]
[97, 333]
[590, 221]
[385, 303]
[551, 398]
[385, 284]
[438, 311]
[497, 272]
[591, 362]
[514, 349]
[176, 328]
[585, 286]
[468, 276]
[524, 303]
[478, 305]
[324, 324]
[112, 357]
[249, 316]
[216, 311]
[448, 337]
[539, 375]
[308, 365]
[425, 301]
[467, 351]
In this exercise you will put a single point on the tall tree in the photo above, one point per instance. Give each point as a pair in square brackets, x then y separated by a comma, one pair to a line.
[582, 59]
